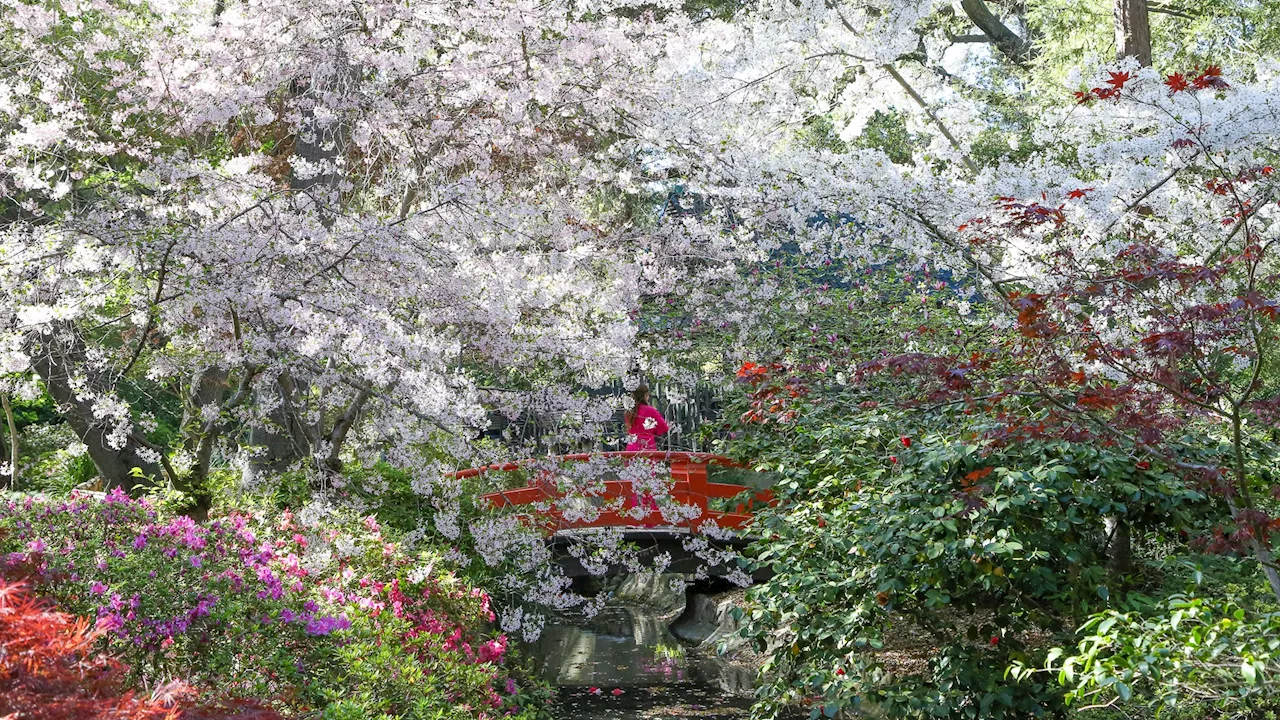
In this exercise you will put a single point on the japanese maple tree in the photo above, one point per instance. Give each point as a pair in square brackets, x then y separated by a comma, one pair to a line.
[52, 668]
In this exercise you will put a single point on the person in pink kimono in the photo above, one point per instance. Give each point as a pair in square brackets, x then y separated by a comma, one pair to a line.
[644, 422]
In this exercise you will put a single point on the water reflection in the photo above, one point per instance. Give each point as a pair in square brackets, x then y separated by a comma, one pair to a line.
[625, 664]
[671, 702]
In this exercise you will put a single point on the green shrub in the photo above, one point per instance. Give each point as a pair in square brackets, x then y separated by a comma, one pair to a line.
[1172, 650]
[913, 568]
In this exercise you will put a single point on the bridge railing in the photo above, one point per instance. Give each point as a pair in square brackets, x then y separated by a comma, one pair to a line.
[690, 486]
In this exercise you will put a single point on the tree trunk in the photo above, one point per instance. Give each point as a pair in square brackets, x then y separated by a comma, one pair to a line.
[1269, 568]
[208, 387]
[6, 480]
[343, 425]
[1261, 550]
[13, 440]
[1119, 545]
[1133, 39]
[277, 446]
[59, 358]
[1133, 33]
[288, 440]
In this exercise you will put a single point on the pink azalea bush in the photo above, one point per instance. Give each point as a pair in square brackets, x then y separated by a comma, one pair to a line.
[328, 615]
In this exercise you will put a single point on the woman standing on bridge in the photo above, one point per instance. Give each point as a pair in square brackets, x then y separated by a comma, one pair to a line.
[644, 422]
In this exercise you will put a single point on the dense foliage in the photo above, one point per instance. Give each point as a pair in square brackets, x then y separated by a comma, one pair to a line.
[939, 537]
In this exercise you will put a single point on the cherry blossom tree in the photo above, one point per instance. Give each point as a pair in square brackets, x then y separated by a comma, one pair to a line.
[296, 217]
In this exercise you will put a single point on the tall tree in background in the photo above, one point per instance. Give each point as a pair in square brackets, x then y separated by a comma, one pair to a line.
[1133, 33]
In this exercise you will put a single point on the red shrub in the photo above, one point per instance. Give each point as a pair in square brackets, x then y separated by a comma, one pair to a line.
[49, 670]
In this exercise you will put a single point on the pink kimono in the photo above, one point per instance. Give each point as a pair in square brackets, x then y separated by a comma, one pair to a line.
[647, 425]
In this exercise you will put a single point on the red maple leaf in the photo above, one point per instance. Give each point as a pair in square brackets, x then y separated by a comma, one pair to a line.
[1210, 77]
[1176, 82]
[1117, 79]
[1078, 193]
[977, 475]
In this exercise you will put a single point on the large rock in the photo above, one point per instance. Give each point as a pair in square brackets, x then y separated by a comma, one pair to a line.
[708, 620]
[708, 623]
[650, 590]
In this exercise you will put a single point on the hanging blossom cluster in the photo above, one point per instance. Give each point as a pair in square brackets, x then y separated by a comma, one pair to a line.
[587, 506]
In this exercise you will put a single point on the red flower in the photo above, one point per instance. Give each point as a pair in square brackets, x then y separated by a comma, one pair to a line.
[617, 692]
[995, 639]
[1144, 465]
[906, 441]
[893, 459]
[840, 672]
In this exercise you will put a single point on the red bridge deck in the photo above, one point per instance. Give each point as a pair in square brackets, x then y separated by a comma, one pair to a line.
[690, 487]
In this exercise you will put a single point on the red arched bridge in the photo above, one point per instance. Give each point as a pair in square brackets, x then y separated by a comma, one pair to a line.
[690, 486]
